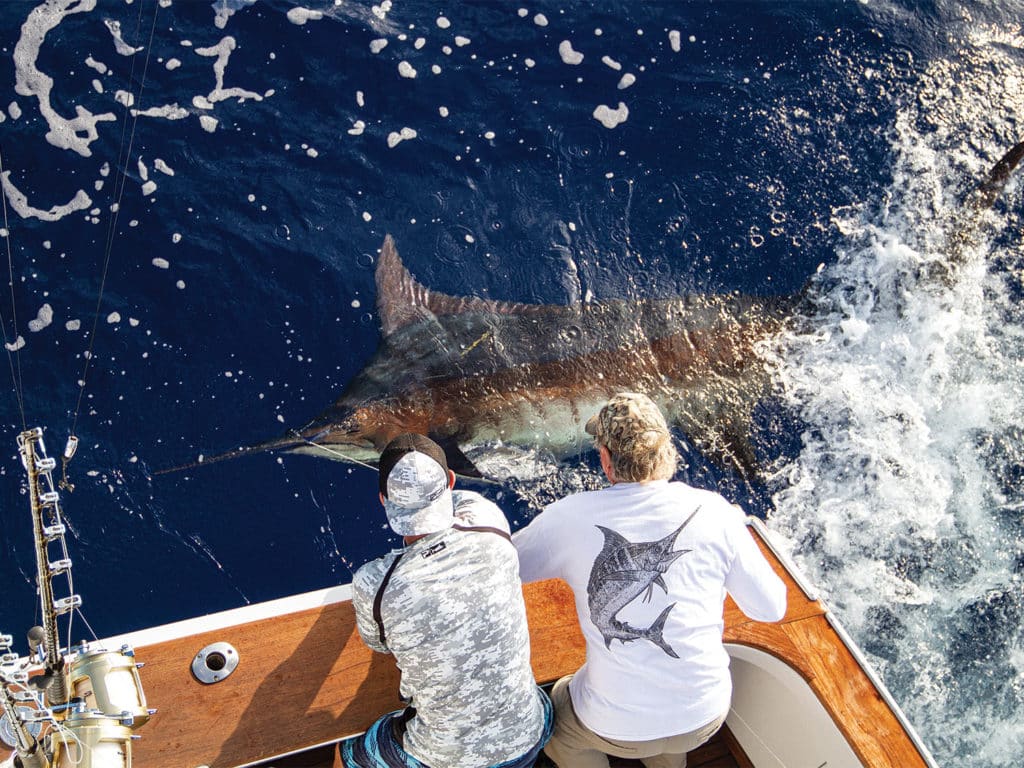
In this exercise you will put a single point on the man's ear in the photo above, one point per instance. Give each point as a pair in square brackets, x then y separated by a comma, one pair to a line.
[381, 495]
[606, 463]
[451, 479]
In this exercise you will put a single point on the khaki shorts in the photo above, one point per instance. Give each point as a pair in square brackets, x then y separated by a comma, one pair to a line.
[573, 745]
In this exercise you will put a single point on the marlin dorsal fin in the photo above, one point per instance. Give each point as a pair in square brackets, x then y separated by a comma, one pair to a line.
[403, 300]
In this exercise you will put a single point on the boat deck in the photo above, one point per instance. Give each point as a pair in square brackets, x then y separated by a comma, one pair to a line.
[721, 751]
[305, 679]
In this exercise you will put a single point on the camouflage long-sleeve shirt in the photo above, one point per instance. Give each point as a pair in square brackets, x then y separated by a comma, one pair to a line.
[454, 618]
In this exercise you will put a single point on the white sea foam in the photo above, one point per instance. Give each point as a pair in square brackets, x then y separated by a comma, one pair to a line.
[569, 56]
[405, 69]
[610, 62]
[300, 16]
[626, 80]
[119, 44]
[610, 118]
[161, 263]
[80, 202]
[15, 345]
[222, 51]
[73, 325]
[396, 137]
[163, 167]
[43, 318]
[225, 9]
[79, 132]
[675, 40]
[167, 112]
[99, 66]
[357, 128]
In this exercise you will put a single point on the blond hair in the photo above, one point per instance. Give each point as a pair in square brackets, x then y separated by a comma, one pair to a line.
[632, 428]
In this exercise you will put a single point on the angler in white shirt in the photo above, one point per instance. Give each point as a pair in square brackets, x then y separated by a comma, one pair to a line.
[649, 562]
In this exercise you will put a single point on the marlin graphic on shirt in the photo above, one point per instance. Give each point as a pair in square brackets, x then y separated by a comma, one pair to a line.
[621, 572]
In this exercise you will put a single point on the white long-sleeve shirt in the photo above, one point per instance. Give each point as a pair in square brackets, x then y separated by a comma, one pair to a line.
[649, 565]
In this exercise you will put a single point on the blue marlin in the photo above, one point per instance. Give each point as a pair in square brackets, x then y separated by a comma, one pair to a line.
[472, 372]
[469, 371]
[621, 572]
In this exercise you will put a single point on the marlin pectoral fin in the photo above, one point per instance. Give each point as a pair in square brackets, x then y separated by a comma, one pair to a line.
[660, 581]
[458, 462]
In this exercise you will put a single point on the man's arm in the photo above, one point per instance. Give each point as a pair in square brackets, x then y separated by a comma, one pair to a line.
[752, 582]
[365, 584]
[533, 545]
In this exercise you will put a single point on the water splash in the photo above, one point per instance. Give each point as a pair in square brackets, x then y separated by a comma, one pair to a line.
[904, 502]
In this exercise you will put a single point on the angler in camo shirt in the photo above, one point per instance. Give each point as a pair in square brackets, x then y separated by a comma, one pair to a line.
[449, 607]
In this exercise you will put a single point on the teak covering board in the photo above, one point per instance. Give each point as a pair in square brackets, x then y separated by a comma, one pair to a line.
[306, 679]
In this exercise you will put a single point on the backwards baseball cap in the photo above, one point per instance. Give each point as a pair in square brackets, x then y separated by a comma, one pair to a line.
[629, 423]
[414, 482]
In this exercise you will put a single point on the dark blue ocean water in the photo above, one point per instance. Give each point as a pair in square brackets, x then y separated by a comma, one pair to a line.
[763, 139]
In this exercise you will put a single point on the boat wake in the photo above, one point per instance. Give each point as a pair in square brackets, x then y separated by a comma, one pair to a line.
[905, 500]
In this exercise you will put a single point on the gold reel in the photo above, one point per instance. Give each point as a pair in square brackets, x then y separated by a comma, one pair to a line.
[91, 740]
[108, 681]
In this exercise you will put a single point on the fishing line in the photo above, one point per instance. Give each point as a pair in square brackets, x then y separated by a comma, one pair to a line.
[16, 379]
[338, 454]
[123, 157]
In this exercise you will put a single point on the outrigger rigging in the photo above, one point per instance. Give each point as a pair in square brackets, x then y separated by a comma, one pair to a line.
[73, 707]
